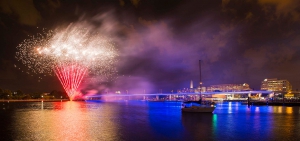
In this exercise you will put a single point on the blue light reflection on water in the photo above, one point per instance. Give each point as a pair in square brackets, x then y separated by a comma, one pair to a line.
[142, 120]
[257, 122]
[163, 119]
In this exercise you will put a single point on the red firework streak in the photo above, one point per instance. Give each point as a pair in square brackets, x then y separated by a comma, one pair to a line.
[70, 76]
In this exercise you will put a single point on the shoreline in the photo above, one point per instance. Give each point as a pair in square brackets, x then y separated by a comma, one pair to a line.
[33, 100]
[272, 103]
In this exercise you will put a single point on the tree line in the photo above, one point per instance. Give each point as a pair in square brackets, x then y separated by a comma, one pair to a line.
[19, 95]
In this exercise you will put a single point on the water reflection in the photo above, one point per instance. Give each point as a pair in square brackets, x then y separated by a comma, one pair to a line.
[260, 122]
[163, 120]
[215, 124]
[71, 121]
[200, 126]
[136, 120]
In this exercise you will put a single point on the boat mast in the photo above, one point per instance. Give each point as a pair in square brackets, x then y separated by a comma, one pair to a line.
[200, 83]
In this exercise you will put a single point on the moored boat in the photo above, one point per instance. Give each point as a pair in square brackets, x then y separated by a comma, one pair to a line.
[197, 107]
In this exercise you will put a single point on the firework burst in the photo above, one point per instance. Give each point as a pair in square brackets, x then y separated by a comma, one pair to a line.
[70, 53]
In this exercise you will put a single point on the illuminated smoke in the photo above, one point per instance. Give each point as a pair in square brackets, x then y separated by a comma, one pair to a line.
[70, 53]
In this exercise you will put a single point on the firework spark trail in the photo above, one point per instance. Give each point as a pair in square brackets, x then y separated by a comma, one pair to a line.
[70, 77]
[70, 53]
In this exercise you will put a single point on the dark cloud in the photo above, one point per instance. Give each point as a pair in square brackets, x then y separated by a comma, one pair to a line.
[160, 43]
[135, 2]
[283, 8]
[24, 11]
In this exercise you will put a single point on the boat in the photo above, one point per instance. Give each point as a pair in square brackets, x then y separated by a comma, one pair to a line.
[198, 107]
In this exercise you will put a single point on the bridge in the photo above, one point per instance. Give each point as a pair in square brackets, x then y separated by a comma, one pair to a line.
[156, 95]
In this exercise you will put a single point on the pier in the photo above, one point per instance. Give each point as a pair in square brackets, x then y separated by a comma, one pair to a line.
[283, 102]
[211, 96]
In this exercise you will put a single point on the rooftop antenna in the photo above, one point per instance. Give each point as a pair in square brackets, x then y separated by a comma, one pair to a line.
[200, 83]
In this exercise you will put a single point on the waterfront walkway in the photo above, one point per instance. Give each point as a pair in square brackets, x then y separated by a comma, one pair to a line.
[33, 100]
[285, 102]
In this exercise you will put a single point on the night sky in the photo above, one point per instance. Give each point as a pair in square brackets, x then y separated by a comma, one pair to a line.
[161, 41]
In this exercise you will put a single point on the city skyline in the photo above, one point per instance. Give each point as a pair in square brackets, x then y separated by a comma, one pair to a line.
[160, 43]
[192, 89]
[266, 84]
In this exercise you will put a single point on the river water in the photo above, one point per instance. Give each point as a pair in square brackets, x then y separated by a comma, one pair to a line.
[142, 120]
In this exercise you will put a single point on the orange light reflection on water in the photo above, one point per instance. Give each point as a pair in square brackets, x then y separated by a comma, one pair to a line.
[70, 123]
[277, 109]
[66, 121]
[289, 110]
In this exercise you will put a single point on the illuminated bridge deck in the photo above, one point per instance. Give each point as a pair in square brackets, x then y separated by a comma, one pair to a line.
[168, 94]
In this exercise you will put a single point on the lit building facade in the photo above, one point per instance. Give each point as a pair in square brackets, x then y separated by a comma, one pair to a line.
[197, 90]
[191, 87]
[228, 88]
[274, 84]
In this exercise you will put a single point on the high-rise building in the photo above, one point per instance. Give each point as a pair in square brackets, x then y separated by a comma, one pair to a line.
[228, 87]
[274, 84]
[191, 84]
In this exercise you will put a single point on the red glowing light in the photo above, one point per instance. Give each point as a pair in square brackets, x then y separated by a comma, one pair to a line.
[70, 76]
[71, 53]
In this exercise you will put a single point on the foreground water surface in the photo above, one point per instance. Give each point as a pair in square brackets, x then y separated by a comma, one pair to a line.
[142, 120]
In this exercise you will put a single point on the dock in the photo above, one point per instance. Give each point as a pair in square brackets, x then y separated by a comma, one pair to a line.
[273, 103]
